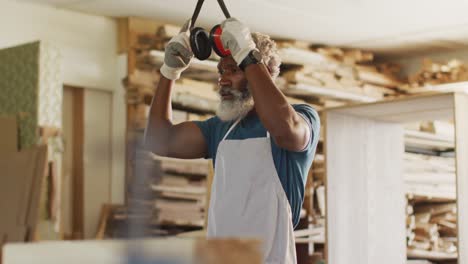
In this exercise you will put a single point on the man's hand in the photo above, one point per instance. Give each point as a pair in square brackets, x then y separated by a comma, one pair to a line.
[178, 54]
[237, 38]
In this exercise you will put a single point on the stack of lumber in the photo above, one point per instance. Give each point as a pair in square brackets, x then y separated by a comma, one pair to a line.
[432, 177]
[430, 183]
[314, 204]
[336, 74]
[430, 137]
[436, 73]
[188, 94]
[174, 190]
[181, 192]
[431, 230]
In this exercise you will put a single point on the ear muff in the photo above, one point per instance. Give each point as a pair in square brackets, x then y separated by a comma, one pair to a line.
[216, 43]
[200, 43]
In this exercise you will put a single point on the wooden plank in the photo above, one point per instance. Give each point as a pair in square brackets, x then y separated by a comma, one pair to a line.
[78, 164]
[209, 184]
[122, 35]
[461, 157]
[206, 65]
[183, 166]
[339, 94]
[364, 168]
[405, 110]
[302, 57]
[377, 78]
[431, 255]
[106, 211]
[40, 169]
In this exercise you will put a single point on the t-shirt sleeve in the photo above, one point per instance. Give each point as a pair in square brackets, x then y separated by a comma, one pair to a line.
[312, 118]
[207, 128]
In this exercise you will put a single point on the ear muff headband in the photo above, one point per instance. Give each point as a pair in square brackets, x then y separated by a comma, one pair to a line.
[200, 42]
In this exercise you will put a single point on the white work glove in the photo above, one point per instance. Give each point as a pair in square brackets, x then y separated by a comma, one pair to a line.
[178, 54]
[237, 38]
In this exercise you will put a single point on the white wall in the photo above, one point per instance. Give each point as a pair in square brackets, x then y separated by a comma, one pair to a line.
[87, 43]
[88, 47]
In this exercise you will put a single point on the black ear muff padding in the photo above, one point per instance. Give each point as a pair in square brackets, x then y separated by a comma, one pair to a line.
[200, 43]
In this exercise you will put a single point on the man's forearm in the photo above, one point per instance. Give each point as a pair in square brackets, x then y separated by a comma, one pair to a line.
[276, 114]
[160, 118]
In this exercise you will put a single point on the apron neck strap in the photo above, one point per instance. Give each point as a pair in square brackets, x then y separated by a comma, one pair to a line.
[231, 128]
[234, 125]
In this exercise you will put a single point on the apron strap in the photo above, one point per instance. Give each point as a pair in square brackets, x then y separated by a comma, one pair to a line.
[234, 125]
[231, 128]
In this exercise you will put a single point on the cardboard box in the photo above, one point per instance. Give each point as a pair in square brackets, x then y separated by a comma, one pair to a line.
[21, 174]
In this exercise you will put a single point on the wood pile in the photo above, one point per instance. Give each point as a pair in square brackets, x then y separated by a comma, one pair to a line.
[430, 183]
[431, 230]
[181, 192]
[428, 176]
[168, 196]
[436, 73]
[335, 74]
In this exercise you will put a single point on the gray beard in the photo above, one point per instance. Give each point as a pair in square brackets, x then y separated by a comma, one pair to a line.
[238, 107]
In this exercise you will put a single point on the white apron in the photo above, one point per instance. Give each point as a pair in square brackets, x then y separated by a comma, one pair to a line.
[247, 199]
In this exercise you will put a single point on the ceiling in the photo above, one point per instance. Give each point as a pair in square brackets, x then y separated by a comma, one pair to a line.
[388, 27]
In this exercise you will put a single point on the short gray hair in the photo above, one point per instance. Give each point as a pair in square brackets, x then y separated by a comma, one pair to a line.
[270, 54]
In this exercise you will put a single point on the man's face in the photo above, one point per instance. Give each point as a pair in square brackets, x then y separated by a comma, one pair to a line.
[236, 100]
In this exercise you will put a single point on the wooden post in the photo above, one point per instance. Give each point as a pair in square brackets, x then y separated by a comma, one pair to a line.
[461, 149]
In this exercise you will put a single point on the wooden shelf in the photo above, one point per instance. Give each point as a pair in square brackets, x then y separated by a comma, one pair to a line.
[447, 87]
[302, 57]
[429, 141]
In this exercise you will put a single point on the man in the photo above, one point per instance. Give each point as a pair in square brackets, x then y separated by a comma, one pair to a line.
[262, 147]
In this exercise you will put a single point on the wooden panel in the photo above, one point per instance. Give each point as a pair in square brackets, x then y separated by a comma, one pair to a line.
[411, 109]
[67, 168]
[209, 184]
[78, 163]
[461, 148]
[365, 192]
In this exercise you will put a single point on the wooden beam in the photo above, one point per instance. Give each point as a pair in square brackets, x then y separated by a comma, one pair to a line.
[122, 35]
[78, 164]
[209, 183]
[461, 157]
[405, 110]
[106, 211]
[340, 94]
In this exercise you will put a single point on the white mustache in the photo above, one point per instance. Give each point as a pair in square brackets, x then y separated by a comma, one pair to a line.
[236, 93]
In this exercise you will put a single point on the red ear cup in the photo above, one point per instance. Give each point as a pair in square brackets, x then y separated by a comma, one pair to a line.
[200, 43]
[216, 43]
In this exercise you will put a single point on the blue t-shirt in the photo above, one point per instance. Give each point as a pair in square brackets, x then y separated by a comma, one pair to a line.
[292, 167]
